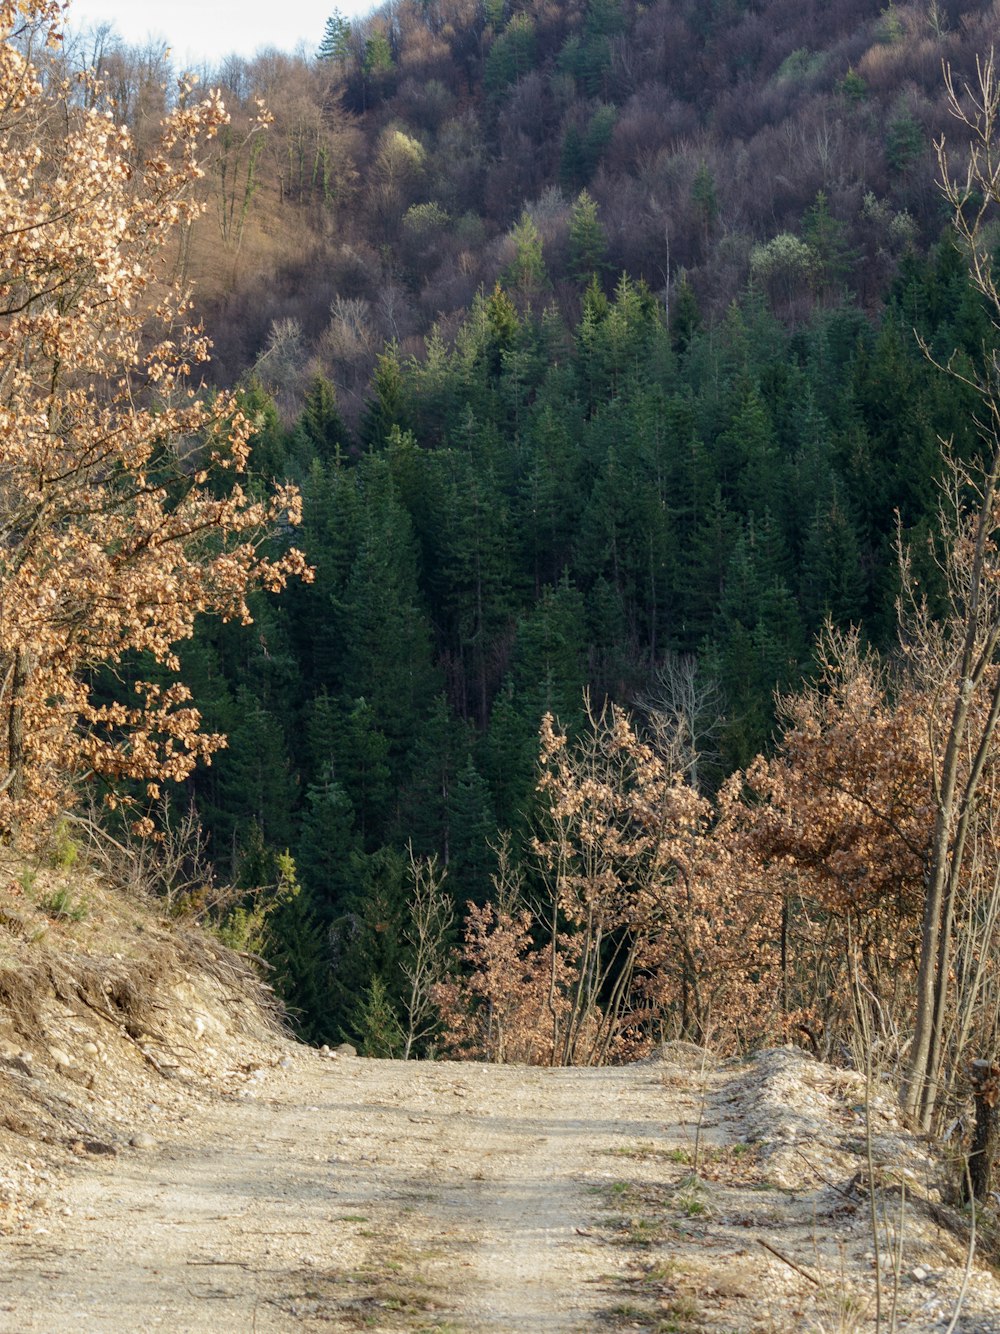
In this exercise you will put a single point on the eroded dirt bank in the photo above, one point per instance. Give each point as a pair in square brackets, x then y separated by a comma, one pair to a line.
[344, 1193]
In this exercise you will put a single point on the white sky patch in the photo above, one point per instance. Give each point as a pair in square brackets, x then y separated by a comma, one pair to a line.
[204, 31]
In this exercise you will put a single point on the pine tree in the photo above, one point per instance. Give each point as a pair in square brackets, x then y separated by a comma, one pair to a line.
[527, 275]
[255, 779]
[509, 751]
[367, 938]
[511, 56]
[329, 846]
[336, 38]
[377, 1022]
[473, 827]
[321, 422]
[833, 260]
[387, 637]
[588, 242]
[298, 954]
[386, 407]
[685, 316]
[573, 159]
[433, 763]
[549, 660]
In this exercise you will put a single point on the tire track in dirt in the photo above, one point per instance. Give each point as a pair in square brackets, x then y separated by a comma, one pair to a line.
[536, 1146]
[371, 1194]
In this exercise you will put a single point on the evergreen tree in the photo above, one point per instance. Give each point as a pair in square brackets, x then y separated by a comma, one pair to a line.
[478, 579]
[433, 765]
[588, 242]
[833, 580]
[685, 316]
[387, 639]
[527, 276]
[329, 846]
[386, 407]
[334, 46]
[573, 172]
[376, 1022]
[549, 660]
[269, 456]
[320, 422]
[511, 56]
[473, 828]
[255, 781]
[509, 750]
[833, 261]
[367, 940]
[360, 761]
[298, 954]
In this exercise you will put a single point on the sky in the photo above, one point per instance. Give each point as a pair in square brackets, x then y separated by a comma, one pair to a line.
[204, 30]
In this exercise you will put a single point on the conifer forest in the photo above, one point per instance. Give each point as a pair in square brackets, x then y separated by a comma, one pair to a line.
[600, 595]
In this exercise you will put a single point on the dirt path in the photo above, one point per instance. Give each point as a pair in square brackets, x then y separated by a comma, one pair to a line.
[353, 1194]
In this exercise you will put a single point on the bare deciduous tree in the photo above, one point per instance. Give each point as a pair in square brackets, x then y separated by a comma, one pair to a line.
[432, 915]
[961, 651]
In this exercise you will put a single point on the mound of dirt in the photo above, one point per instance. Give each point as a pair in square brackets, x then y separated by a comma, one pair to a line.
[113, 1023]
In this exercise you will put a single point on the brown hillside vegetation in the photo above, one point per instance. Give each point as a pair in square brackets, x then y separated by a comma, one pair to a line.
[790, 144]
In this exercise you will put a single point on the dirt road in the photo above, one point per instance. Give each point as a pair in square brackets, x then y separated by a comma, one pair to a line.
[354, 1194]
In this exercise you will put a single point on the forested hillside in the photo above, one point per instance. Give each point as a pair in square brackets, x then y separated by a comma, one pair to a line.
[600, 342]
[436, 145]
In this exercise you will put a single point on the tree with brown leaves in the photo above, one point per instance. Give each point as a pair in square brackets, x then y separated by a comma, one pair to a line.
[122, 517]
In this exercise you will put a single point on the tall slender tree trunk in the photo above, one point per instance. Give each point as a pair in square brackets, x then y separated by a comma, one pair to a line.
[954, 804]
[15, 727]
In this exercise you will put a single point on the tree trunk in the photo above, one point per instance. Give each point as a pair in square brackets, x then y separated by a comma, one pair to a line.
[13, 783]
[986, 1091]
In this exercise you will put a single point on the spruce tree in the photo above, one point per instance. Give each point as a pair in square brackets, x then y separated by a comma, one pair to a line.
[588, 241]
[334, 46]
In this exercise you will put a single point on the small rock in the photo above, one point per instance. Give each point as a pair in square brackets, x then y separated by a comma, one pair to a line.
[91, 1049]
[99, 1146]
[919, 1274]
[59, 1056]
[141, 1140]
[21, 1063]
[345, 1049]
[83, 1077]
